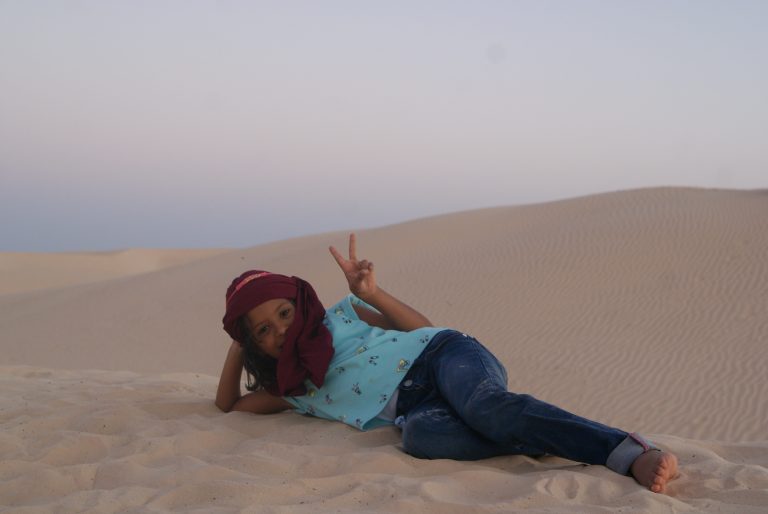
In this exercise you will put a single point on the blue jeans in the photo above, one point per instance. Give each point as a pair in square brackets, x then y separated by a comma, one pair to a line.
[453, 404]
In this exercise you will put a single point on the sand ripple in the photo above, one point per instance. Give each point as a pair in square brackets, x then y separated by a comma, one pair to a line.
[98, 442]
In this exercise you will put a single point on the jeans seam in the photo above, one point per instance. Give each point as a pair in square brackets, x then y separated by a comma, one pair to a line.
[441, 342]
[478, 354]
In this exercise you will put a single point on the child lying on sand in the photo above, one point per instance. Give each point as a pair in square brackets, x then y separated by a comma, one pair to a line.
[371, 360]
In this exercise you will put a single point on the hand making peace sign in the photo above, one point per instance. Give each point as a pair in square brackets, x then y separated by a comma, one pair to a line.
[359, 274]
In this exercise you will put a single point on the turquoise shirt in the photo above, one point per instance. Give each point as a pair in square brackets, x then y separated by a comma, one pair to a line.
[367, 366]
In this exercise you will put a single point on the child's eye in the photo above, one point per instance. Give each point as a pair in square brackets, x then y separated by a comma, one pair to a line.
[263, 330]
[285, 313]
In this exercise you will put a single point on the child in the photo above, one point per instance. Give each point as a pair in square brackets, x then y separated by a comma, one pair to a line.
[370, 360]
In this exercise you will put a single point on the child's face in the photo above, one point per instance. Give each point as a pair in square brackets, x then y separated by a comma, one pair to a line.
[269, 322]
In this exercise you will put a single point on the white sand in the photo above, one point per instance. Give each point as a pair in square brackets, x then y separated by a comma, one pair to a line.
[644, 309]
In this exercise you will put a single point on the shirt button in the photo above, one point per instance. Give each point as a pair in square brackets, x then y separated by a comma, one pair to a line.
[408, 383]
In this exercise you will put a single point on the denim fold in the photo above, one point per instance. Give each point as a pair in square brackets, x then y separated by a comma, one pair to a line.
[454, 404]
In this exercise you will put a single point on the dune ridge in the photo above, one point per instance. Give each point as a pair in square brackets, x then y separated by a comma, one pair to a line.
[644, 309]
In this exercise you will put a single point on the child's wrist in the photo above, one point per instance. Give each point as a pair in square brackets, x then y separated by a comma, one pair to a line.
[367, 296]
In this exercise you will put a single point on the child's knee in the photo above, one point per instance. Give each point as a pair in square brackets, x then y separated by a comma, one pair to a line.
[412, 435]
[428, 434]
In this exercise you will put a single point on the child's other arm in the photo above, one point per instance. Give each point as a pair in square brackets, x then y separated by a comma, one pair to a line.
[228, 397]
[261, 402]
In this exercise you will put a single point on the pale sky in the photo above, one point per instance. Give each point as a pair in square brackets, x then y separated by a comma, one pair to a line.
[231, 123]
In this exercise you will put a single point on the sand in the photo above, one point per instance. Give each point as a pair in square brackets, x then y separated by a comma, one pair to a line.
[644, 309]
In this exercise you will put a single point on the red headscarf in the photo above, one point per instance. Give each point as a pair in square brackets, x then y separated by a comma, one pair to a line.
[308, 347]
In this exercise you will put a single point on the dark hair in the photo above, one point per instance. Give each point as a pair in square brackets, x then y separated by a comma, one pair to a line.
[261, 369]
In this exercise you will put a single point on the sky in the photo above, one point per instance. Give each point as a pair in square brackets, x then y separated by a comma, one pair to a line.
[198, 124]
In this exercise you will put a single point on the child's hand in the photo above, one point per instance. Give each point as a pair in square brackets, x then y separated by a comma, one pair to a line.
[359, 274]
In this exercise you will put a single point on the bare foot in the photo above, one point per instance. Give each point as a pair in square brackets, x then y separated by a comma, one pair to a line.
[653, 469]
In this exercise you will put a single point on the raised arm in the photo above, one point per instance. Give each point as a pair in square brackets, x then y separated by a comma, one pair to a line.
[362, 283]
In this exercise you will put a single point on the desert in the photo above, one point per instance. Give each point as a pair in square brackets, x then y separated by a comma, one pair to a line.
[645, 309]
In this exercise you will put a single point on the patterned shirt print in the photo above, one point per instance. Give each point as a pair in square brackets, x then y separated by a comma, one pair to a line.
[366, 368]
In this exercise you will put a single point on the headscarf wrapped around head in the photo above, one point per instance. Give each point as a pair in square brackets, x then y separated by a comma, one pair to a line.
[308, 346]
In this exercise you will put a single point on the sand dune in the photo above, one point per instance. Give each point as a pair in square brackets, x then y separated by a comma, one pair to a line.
[24, 271]
[645, 309]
